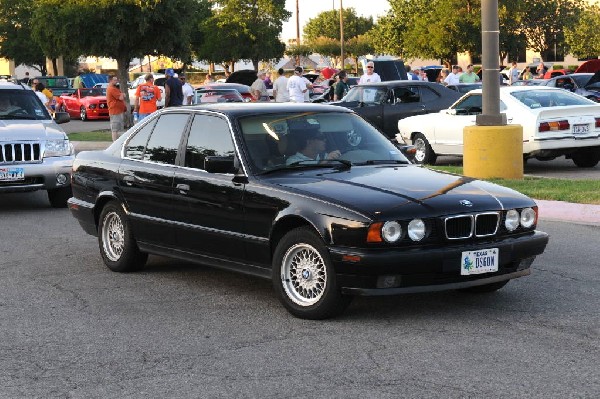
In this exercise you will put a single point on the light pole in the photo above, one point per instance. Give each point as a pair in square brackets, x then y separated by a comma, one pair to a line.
[342, 33]
[297, 30]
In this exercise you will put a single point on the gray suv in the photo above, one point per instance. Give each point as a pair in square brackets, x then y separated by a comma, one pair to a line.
[35, 153]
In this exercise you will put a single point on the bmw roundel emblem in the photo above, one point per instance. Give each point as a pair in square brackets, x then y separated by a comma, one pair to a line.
[466, 203]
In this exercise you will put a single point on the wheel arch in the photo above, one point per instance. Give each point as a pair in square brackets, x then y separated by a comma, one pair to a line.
[103, 199]
[286, 224]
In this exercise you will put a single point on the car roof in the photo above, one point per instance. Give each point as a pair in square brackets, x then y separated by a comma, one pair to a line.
[249, 109]
[400, 83]
[11, 85]
[512, 89]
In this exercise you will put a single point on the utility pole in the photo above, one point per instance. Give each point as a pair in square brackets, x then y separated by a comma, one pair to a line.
[342, 33]
[297, 30]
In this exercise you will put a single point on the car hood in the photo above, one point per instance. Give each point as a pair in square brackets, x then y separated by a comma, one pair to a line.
[593, 81]
[402, 191]
[11, 130]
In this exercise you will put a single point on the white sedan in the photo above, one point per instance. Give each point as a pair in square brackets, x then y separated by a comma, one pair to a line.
[158, 81]
[555, 123]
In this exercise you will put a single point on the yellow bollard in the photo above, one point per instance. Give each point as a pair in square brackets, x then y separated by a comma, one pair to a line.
[493, 152]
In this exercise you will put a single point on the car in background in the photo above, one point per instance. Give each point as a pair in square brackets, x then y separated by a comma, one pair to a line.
[465, 87]
[35, 153]
[555, 123]
[86, 104]
[384, 104]
[551, 73]
[102, 86]
[584, 84]
[244, 90]
[529, 82]
[223, 185]
[159, 80]
[58, 85]
[212, 95]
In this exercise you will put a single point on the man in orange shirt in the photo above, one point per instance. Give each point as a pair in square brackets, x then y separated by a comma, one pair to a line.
[116, 107]
[146, 96]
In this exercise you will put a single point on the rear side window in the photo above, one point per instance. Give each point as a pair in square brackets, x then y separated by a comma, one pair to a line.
[428, 95]
[137, 144]
[164, 140]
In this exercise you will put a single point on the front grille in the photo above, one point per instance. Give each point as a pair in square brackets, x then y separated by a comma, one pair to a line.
[466, 226]
[21, 152]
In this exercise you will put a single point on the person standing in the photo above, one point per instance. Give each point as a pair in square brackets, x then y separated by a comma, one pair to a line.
[541, 70]
[173, 90]
[280, 92]
[527, 75]
[26, 79]
[513, 73]
[187, 89]
[268, 82]
[296, 86]
[38, 88]
[77, 83]
[341, 87]
[146, 96]
[469, 76]
[116, 107]
[258, 88]
[453, 77]
[369, 76]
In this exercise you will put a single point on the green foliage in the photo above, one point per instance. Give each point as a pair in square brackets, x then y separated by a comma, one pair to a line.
[298, 50]
[387, 36]
[327, 24]
[326, 46]
[583, 38]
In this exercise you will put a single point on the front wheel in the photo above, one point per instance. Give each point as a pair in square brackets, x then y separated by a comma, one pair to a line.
[587, 158]
[304, 279]
[424, 153]
[83, 114]
[118, 248]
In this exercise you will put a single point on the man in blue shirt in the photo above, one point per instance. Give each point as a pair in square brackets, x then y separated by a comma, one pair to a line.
[173, 90]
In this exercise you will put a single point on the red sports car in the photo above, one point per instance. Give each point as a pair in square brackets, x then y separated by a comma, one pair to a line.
[84, 103]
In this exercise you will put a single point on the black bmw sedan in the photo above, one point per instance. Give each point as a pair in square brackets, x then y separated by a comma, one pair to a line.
[384, 104]
[308, 195]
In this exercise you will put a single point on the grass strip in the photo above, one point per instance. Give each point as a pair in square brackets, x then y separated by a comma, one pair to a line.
[99, 135]
[577, 191]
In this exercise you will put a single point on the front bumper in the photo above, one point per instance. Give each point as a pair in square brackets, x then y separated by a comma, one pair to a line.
[40, 176]
[396, 271]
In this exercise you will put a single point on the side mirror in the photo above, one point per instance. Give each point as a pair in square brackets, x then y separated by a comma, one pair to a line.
[449, 111]
[61, 117]
[216, 164]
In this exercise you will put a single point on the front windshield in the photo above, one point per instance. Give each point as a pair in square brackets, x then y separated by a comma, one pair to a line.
[21, 104]
[549, 98]
[91, 92]
[367, 95]
[277, 141]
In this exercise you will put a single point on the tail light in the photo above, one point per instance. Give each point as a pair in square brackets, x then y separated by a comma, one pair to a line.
[556, 126]
[597, 122]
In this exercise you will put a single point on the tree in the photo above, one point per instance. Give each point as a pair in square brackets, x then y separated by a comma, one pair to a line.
[357, 46]
[327, 24]
[584, 38]
[121, 30]
[387, 35]
[15, 35]
[244, 30]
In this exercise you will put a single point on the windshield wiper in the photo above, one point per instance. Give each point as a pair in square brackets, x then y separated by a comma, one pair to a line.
[321, 163]
[311, 164]
[384, 161]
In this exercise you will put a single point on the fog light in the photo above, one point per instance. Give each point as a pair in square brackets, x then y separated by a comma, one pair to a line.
[62, 179]
[388, 281]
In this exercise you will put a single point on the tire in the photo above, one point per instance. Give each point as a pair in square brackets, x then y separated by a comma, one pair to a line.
[304, 279]
[482, 289]
[83, 114]
[58, 197]
[424, 153]
[587, 158]
[118, 248]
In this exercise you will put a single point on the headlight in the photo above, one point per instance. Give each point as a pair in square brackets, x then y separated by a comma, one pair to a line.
[92, 106]
[416, 229]
[391, 231]
[527, 217]
[512, 220]
[57, 148]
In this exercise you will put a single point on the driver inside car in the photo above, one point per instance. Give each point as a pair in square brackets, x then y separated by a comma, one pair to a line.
[6, 107]
[312, 147]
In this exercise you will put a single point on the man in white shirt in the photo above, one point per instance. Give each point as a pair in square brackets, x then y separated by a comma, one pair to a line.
[513, 73]
[188, 91]
[453, 78]
[296, 86]
[280, 91]
[369, 76]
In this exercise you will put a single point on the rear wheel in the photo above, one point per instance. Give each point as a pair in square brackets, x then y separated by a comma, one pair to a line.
[304, 279]
[481, 289]
[118, 247]
[424, 153]
[587, 158]
[83, 114]
[58, 197]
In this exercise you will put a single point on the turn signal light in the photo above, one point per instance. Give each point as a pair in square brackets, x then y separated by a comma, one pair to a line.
[555, 126]
[374, 233]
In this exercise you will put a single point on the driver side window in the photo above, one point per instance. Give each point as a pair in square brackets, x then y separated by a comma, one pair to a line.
[472, 105]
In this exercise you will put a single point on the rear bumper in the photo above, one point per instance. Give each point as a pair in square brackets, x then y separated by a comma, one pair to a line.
[84, 213]
[40, 176]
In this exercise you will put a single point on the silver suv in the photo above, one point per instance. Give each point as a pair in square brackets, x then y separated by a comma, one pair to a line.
[35, 153]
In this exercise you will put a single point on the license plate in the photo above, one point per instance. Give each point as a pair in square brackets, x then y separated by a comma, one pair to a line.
[579, 129]
[10, 174]
[480, 261]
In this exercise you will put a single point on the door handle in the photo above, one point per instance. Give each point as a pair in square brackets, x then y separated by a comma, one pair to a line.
[128, 180]
[183, 188]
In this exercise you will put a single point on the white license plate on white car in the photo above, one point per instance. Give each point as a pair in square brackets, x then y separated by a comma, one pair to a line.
[10, 174]
[480, 261]
[581, 129]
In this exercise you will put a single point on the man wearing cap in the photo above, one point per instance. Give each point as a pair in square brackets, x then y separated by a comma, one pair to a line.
[297, 86]
[369, 76]
[453, 78]
[187, 89]
[173, 90]
[312, 148]
[258, 88]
